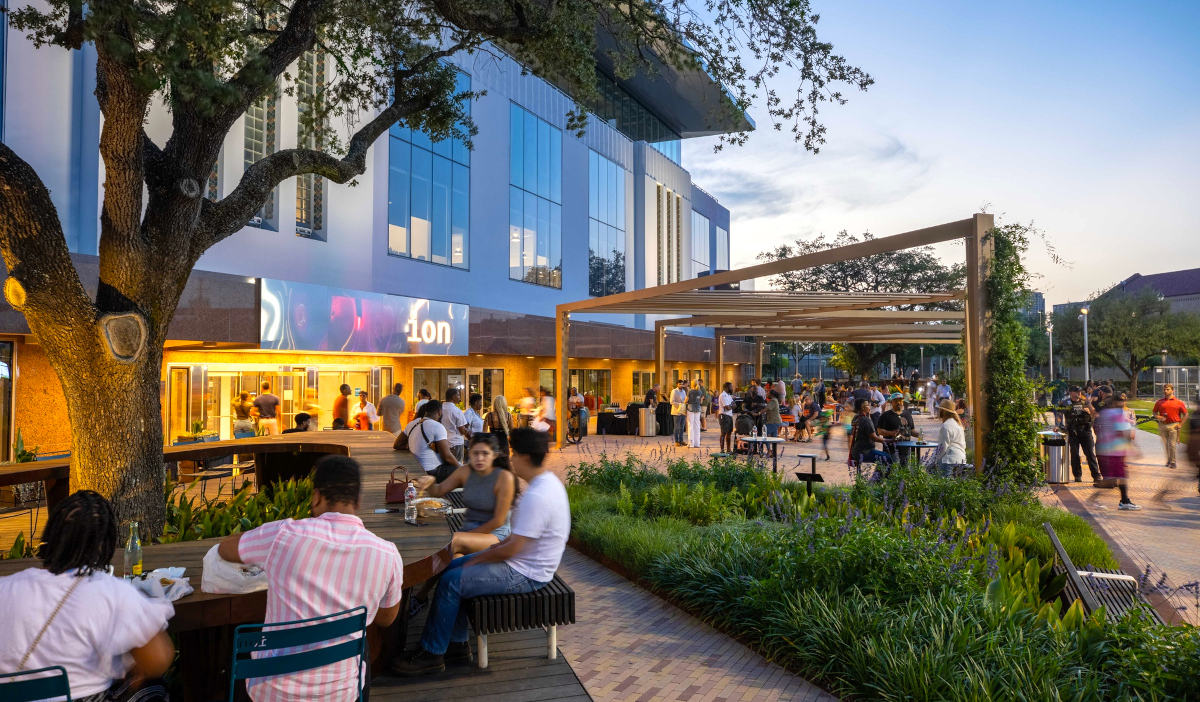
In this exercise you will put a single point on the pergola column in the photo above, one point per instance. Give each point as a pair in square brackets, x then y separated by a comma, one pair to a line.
[561, 351]
[660, 357]
[719, 340]
[980, 250]
[758, 354]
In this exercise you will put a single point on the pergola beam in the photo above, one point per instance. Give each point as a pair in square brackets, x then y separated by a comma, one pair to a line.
[898, 242]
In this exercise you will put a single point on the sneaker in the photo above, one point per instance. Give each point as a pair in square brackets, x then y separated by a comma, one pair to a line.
[459, 652]
[1172, 466]
[1128, 505]
[1078, 480]
[423, 663]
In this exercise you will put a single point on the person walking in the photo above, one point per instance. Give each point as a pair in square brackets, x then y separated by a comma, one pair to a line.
[391, 410]
[1078, 416]
[341, 405]
[695, 405]
[705, 405]
[1170, 412]
[1115, 441]
[679, 410]
[772, 419]
[267, 406]
[725, 417]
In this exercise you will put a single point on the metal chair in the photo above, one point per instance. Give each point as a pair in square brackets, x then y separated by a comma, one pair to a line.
[252, 638]
[43, 688]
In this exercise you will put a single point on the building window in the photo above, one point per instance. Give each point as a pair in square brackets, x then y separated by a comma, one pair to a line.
[429, 195]
[213, 189]
[594, 385]
[722, 249]
[606, 226]
[700, 244]
[670, 235]
[624, 113]
[260, 142]
[535, 199]
[310, 189]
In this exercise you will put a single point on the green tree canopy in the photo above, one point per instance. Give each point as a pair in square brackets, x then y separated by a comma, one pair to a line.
[1127, 331]
[916, 270]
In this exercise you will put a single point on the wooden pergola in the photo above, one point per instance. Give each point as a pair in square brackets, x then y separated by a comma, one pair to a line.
[811, 316]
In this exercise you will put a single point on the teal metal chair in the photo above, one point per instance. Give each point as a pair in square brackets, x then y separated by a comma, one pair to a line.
[46, 687]
[250, 638]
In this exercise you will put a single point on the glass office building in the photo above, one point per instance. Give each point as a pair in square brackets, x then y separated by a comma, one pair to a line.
[440, 267]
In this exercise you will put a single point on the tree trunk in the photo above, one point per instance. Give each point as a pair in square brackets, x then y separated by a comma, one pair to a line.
[1133, 385]
[116, 423]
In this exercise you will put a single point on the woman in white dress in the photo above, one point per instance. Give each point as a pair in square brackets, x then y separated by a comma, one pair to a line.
[952, 440]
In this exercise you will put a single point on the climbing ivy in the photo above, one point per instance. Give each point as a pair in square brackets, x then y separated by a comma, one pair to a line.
[1012, 442]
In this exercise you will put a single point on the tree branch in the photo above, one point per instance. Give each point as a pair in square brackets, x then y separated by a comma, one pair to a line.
[41, 275]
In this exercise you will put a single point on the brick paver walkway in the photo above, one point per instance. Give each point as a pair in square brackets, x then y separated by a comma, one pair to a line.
[1165, 533]
[631, 646]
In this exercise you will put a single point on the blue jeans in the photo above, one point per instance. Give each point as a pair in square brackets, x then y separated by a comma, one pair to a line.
[680, 425]
[446, 621]
[773, 429]
[875, 456]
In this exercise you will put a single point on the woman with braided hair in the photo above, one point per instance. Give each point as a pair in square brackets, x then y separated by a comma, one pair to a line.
[72, 612]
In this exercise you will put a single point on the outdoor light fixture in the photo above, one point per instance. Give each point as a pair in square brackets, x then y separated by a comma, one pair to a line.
[1050, 346]
[1087, 371]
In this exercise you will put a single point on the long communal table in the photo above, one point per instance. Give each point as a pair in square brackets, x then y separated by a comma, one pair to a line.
[203, 622]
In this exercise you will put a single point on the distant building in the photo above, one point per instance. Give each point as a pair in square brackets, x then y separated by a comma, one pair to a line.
[1068, 306]
[1180, 288]
[1035, 304]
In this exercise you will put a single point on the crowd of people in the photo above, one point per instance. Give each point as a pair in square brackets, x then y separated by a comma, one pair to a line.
[1100, 430]
[876, 415]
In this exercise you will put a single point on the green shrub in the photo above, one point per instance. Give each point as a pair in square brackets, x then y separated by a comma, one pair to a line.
[701, 504]
[725, 473]
[633, 542]
[243, 511]
[608, 474]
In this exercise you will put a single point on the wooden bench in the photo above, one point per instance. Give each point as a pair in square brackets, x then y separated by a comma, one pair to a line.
[1112, 589]
[545, 608]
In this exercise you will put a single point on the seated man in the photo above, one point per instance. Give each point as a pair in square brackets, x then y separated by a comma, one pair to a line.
[326, 564]
[524, 562]
[303, 420]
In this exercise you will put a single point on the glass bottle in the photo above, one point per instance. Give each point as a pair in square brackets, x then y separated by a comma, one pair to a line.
[133, 553]
[410, 503]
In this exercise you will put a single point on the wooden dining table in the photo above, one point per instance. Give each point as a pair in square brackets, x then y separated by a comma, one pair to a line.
[203, 622]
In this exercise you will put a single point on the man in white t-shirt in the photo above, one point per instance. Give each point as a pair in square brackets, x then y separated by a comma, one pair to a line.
[427, 440]
[725, 417]
[524, 562]
[457, 429]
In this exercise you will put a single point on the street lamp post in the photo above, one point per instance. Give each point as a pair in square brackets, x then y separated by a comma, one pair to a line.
[1050, 333]
[1164, 358]
[1087, 371]
[921, 366]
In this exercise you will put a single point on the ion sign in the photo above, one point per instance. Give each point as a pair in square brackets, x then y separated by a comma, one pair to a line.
[301, 317]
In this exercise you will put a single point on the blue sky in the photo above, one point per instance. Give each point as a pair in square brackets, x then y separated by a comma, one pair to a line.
[1082, 117]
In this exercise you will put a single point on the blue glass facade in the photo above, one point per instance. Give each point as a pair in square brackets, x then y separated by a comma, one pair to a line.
[606, 226]
[701, 242]
[429, 195]
[535, 199]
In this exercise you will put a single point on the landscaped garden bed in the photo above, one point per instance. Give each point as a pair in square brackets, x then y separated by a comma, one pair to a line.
[914, 587]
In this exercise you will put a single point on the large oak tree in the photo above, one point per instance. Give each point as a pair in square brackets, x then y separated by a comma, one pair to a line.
[1127, 331]
[207, 61]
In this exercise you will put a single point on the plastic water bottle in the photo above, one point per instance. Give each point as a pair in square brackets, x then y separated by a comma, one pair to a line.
[133, 553]
[410, 503]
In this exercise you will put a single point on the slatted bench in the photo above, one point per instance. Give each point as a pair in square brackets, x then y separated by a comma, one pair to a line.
[546, 608]
[1112, 589]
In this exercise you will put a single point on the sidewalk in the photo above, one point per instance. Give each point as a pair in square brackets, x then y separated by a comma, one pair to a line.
[630, 646]
[1165, 533]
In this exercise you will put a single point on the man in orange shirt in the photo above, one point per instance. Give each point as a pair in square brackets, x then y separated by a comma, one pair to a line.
[341, 405]
[1170, 412]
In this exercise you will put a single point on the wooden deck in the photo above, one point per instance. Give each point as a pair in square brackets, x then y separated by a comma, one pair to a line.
[518, 669]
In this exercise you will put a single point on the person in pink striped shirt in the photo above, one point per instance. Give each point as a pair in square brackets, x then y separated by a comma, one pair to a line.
[326, 564]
